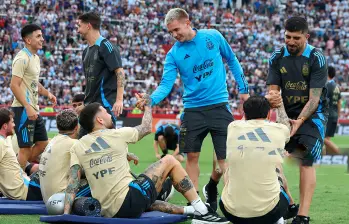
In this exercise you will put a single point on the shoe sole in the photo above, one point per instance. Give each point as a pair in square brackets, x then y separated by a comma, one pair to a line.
[195, 221]
[171, 194]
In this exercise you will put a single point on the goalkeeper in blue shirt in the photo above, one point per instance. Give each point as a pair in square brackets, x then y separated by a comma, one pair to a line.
[198, 58]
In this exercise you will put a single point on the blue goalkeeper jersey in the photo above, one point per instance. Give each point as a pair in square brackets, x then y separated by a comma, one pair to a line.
[200, 65]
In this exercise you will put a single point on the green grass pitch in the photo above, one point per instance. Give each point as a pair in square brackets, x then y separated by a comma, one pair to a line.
[330, 202]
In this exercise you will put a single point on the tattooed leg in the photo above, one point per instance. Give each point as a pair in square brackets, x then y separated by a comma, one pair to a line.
[166, 207]
[169, 166]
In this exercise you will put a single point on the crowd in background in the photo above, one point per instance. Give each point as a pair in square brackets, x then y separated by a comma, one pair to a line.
[254, 30]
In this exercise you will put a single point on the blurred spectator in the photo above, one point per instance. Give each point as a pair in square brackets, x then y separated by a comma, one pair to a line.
[254, 31]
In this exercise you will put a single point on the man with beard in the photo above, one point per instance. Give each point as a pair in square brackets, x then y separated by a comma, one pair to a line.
[110, 180]
[300, 71]
[102, 68]
[14, 183]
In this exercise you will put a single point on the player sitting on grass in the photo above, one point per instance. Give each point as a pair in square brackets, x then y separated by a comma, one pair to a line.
[110, 181]
[14, 183]
[255, 187]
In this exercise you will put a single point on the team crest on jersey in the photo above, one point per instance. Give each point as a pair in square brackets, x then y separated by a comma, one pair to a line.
[305, 69]
[209, 44]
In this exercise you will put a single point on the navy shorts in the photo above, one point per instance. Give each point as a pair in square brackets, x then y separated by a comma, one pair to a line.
[28, 132]
[331, 127]
[141, 195]
[198, 122]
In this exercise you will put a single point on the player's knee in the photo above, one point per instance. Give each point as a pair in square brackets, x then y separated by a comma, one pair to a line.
[161, 138]
[180, 158]
[170, 159]
[193, 157]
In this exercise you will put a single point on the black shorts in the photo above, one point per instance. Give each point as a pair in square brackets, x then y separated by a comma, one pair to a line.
[28, 132]
[271, 217]
[34, 191]
[306, 148]
[84, 189]
[141, 195]
[306, 144]
[197, 123]
[331, 127]
[83, 132]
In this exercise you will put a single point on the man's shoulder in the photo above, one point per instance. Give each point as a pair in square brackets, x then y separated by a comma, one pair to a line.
[277, 54]
[21, 55]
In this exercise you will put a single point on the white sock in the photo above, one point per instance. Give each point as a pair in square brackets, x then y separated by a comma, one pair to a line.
[199, 206]
[281, 221]
[189, 210]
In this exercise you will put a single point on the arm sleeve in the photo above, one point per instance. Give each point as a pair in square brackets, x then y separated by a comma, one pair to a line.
[111, 55]
[167, 81]
[2, 151]
[274, 76]
[130, 135]
[158, 132]
[318, 75]
[19, 66]
[233, 63]
[73, 157]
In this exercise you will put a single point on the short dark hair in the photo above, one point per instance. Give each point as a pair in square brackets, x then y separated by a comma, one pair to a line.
[87, 116]
[93, 18]
[297, 23]
[169, 131]
[29, 29]
[5, 116]
[67, 120]
[331, 72]
[78, 98]
[256, 107]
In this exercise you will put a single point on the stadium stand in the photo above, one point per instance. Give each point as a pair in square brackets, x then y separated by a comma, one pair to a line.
[254, 31]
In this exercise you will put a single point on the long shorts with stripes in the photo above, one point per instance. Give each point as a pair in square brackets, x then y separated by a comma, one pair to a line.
[28, 132]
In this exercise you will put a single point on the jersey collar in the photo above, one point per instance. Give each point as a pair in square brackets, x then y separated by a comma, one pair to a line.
[99, 41]
[27, 51]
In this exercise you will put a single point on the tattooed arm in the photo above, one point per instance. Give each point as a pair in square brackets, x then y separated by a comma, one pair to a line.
[308, 110]
[120, 84]
[312, 104]
[282, 117]
[145, 127]
[73, 187]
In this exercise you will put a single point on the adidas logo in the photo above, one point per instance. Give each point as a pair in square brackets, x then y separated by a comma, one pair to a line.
[186, 56]
[252, 136]
[283, 70]
[164, 196]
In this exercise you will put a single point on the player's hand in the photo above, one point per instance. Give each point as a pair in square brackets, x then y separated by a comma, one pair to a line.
[295, 125]
[118, 107]
[52, 99]
[274, 98]
[244, 97]
[158, 156]
[131, 156]
[79, 109]
[32, 113]
[140, 101]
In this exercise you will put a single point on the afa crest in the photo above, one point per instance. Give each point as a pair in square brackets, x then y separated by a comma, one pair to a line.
[209, 44]
[305, 69]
